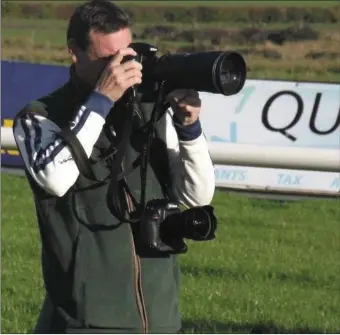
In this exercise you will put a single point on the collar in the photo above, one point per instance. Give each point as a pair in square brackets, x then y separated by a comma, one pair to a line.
[80, 87]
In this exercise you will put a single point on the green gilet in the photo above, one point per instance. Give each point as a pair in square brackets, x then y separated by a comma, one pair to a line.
[95, 277]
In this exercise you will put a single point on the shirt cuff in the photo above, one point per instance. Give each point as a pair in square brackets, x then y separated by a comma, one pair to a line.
[189, 132]
[99, 104]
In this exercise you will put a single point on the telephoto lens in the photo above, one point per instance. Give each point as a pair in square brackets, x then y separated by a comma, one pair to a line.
[221, 72]
[215, 72]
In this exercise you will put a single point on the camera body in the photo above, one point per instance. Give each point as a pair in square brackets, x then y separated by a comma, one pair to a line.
[220, 72]
[163, 226]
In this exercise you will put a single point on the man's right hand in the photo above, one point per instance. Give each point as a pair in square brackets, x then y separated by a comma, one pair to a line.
[117, 78]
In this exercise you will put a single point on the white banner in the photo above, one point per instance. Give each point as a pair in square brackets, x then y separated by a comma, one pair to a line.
[275, 113]
[296, 181]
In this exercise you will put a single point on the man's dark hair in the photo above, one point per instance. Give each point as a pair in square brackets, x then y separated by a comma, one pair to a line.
[98, 15]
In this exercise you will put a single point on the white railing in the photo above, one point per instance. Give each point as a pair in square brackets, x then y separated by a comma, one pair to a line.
[327, 160]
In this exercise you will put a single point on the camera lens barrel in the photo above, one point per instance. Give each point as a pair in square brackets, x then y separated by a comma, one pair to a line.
[199, 223]
[229, 73]
[222, 72]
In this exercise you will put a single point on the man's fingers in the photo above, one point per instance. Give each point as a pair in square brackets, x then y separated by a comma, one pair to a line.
[189, 108]
[132, 64]
[182, 93]
[121, 54]
[133, 72]
[132, 81]
[178, 93]
[190, 100]
[184, 96]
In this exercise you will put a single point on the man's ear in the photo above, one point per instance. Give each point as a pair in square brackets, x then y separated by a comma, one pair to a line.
[73, 50]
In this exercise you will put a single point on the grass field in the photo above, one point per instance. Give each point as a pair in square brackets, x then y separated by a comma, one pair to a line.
[42, 40]
[273, 268]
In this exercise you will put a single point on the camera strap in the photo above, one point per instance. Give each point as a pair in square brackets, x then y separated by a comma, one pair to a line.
[118, 181]
[78, 153]
[118, 186]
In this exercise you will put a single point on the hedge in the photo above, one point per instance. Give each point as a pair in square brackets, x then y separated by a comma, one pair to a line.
[185, 14]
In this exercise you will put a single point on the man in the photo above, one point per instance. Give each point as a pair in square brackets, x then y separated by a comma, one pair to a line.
[95, 278]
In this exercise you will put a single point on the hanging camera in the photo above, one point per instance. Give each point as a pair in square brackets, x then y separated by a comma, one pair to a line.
[163, 226]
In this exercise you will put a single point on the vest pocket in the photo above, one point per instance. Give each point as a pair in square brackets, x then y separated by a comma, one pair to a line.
[79, 279]
[91, 208]
[104, 271]
[104, 280]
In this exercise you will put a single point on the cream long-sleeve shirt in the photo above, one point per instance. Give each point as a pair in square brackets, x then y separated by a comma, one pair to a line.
[49, 160]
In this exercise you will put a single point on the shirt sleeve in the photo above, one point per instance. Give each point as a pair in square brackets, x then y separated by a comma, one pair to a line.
[191, 167]
[46, 156]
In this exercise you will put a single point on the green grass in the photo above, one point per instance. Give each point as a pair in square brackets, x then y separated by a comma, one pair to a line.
[21, 284]
[273, 268]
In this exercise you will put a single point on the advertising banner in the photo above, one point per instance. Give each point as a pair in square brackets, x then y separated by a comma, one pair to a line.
[20, 83]
[279, 180]
[265, 112]
[276, 113]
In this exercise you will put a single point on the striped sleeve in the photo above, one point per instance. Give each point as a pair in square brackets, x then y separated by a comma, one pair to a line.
[46, 156]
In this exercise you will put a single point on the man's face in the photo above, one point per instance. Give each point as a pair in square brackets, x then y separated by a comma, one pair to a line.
[90, 63]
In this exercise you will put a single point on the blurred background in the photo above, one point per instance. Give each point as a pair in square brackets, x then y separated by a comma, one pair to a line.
[275, 265]
[280, 39]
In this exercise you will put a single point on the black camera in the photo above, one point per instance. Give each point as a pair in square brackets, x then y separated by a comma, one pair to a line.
[222, 72]
[163, 226]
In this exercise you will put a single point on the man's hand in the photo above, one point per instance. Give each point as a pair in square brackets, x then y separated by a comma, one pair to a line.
[117, 78]
[186, 105]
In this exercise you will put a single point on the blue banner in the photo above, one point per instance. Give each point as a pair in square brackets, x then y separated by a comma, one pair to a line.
[20, 83]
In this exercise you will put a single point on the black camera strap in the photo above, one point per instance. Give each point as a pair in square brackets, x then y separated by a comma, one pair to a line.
[118, 186]
[78, 153]
[118, 180]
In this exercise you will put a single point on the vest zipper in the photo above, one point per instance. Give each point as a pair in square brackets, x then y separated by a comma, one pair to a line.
[138, 277]
[138, 289]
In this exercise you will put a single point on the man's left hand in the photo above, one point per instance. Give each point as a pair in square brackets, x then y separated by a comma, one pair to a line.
[185, 104]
